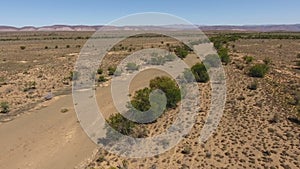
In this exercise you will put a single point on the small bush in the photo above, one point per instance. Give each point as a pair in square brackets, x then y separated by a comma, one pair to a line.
[56, 47]
[121, 124]
[259, 70]
[181, 52]
[132, 66]
[4, 107]
[267, 61]
[200, 73]
[46, 47]
[118, 72]
[140, 100]
[74, 75]
[224, 56]
[169, 87]
[248, 59]
[186, 150]
[240, 66]
[22, 47]
[111, 70]
[99, 71]
[253, 85]
[29, 85]
[157, 61]
[102, 79]
[67, 46]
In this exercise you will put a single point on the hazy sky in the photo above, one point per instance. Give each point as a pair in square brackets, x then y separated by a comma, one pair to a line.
[96, 12]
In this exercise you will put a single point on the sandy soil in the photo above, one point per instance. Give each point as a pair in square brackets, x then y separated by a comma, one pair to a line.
[45, 139]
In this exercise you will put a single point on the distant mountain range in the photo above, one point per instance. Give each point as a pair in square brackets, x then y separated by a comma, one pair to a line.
[257, 28]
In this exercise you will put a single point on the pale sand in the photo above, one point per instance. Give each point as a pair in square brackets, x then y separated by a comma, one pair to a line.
[45, 139]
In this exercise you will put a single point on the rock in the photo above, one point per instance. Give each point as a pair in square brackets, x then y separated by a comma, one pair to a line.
[49, 96]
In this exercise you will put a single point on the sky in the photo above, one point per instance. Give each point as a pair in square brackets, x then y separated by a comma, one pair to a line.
[97, 12]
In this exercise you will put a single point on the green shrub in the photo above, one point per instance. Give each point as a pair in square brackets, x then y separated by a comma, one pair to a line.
[140, 100]
[67, 46]
[224, 56]
[99, 71]
[121, 124]
[258, 70]
[172, 92]
[200, 73]
[4, 107]
[111, 70]
[186, 150]
[181, 52]
[74, 75]
[248, 59]
[132, 66]
[46, 47]
[29, 85]
[169, 87]
[22, 47]
[102, 79]
[118, 72]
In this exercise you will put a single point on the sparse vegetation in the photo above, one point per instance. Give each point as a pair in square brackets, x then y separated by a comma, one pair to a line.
[4, 107]
[248, 59]
[111, 70]
[169, 87]
[140, 100]
[223, 53]
[200, 73]
[259, 70]
[132, 66]
[99, 71]
[121, 124]
[29, 86]
[253, 85]
[22, 47]
[74, 75]
[181, 52]
[186, 150]
[267, 61]
[102, 79]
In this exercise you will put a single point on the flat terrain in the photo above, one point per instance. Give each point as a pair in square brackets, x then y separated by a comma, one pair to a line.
[45, 138]
[256, 130]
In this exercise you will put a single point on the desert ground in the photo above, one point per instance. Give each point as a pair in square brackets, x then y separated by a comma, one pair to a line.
[259, 128]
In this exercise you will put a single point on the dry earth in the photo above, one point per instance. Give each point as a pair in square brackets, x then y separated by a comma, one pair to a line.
[44, 137]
